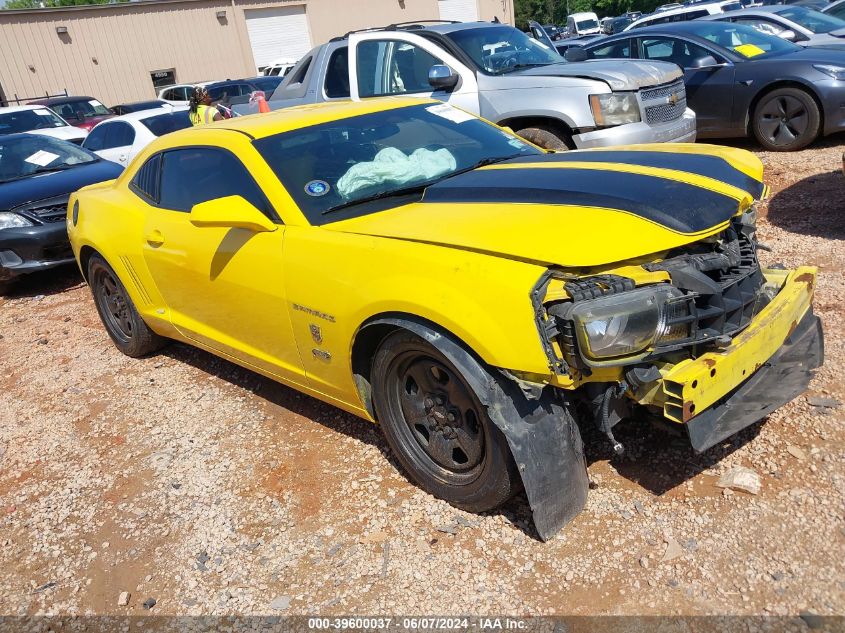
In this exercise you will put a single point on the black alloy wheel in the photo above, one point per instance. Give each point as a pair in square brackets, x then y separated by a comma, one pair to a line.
[124, 325]
[437, 427]
[786, 119]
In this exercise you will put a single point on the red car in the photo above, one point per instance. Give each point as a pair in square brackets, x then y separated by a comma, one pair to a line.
[84, 112]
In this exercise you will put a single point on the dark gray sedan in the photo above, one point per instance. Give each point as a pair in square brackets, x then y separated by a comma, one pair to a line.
[742, 82]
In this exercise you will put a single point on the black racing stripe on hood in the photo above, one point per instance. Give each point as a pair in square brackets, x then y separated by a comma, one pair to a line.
[710, 166]
[676, 205]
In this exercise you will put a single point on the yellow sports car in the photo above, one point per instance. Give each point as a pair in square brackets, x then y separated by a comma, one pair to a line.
[474, 295]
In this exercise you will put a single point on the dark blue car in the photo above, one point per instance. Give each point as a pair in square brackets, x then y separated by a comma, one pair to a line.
[742, 82]
[37, 175]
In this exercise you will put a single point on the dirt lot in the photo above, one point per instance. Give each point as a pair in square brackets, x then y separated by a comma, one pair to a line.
[215, 491]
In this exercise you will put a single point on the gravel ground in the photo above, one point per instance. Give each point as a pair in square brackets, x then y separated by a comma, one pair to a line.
[215, 491]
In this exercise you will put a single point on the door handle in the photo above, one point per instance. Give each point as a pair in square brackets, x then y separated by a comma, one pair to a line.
[155, 238]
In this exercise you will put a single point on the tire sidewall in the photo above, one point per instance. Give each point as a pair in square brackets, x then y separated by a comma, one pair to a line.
[491, 486]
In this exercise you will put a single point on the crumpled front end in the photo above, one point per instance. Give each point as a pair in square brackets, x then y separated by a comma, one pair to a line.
[704, 337]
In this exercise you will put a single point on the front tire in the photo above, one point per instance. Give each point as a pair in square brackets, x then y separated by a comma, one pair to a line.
[546, 137]
[437, 427]
[117, 312]
[785, 120]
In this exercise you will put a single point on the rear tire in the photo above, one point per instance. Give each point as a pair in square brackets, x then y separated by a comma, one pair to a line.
[785, 120]
[437, 427]
[547, 137]
[117, 312]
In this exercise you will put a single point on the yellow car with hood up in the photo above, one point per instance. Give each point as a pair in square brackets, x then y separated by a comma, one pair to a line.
[475, 296]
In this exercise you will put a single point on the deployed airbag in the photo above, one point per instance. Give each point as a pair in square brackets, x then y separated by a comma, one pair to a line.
[392, 166]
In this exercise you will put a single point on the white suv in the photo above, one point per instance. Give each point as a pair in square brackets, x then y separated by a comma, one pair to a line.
[684, 13]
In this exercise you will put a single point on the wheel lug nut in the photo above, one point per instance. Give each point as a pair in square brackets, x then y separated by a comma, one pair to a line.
[451, 417]
[439, 400]
[428, 403]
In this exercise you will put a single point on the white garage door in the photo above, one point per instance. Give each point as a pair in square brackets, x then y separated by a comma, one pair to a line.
[277, 32]
[458, 10]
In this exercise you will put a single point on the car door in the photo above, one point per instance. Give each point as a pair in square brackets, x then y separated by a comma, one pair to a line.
[389, 64]
[117, 144]
[709, 87]
[223, 287]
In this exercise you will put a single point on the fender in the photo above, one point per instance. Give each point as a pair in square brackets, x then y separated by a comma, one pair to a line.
[541, 432]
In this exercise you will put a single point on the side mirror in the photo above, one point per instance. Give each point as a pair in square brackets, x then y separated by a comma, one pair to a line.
[703, 63]
[789, 35]
[441, 77]
[576, 54]
[230, 212]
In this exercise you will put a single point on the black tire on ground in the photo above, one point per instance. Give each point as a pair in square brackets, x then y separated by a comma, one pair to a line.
[5, 287]
[122, 322]
[785, 120]
[437, 428]
[546, 137]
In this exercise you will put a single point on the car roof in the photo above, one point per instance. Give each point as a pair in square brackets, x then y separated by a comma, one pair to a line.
[146, 114]
[61, 100]
[19, 108]
[688, 8]
[297, 117]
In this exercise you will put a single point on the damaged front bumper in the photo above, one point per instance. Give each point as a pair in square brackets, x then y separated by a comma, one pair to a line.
[767, 365]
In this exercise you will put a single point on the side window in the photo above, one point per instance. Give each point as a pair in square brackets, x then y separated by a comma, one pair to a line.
[760, 24]
[193, 175]
[622, 48]
[692, 15]
[392, 67]
[119, 135]
[299, 76]
[677, 51]
[146, 181]
[95, 141]
[337, 74]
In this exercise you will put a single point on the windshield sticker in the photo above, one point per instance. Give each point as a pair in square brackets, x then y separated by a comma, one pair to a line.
[95, 103]
[516, 143]
[41, 158]
[445, 111]
[749, 50]
[317, 188]
[43, 112]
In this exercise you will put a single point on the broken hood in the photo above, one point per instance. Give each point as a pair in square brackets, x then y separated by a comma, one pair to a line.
[578, 209]
[627, 74]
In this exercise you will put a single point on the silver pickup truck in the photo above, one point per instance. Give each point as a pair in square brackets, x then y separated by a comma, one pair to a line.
[501, 74]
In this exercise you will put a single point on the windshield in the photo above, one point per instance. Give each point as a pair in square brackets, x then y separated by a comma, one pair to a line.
[744, 40]
[26, 120]
[81, 109]
[28, 154]
[162, 124]
[812, 20]
[345, 162]
[586, 25]
[501, 49]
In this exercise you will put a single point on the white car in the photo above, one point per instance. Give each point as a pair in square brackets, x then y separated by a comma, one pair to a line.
[121, 138]
[180, 94]
[685, 13]
[38, 119]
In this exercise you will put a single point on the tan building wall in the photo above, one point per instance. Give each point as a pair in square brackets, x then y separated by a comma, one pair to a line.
[109, 51]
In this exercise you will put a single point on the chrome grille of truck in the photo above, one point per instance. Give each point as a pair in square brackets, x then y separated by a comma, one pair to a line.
[664, 103]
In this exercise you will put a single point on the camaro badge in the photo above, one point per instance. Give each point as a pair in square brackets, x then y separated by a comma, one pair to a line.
[316, 333]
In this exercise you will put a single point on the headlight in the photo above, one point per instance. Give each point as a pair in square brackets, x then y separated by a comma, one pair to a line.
[12, 220]
[624, 324]
[837, 72]
[615, 108]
